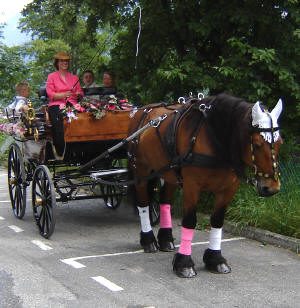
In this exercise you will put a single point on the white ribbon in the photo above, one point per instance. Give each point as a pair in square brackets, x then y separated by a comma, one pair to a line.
[71, 115]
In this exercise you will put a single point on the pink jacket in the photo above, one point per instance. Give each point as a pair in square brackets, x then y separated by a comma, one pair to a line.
[55, 84]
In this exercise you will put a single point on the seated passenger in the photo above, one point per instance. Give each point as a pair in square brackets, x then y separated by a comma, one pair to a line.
[88, 79]
[62, 87]
[109, 83]
[19, 105]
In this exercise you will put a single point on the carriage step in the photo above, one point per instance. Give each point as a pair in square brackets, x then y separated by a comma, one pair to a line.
[96, 175]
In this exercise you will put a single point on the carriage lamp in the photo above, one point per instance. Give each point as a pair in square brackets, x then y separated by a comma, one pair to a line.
[36, 134]
[12, 181]
[30, 116]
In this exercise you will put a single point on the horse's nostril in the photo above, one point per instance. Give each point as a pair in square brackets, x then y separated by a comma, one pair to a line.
[265, 190]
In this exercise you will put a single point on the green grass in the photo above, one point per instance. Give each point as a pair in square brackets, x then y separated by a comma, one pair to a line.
[279, 213]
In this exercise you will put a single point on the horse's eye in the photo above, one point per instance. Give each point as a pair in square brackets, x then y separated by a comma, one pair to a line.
[256, 146]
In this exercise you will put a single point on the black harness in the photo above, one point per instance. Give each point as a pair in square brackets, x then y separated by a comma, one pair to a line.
[188, 158]
[169, 141]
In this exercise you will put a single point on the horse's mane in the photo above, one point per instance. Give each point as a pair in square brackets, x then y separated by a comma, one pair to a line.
[228, 126]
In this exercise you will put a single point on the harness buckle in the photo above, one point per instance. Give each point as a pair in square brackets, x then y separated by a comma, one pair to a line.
[181, 100]
[156, 122]
[203, 108]
[200, 96]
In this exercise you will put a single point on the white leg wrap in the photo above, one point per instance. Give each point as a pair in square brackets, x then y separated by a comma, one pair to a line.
[215, 237]
[145, 219]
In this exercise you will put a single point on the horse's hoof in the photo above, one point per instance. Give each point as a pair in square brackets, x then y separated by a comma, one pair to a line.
[148, 242]
[183, 266]
[215, 262]
[166, 246]
[222, 268]
[185, 272]
[150, 248]
[165, 239]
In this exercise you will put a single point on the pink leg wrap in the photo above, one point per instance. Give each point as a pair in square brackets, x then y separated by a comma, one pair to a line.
[186, 241]
[165, 216]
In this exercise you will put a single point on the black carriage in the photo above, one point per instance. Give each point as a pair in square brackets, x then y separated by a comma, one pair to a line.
[87, 170]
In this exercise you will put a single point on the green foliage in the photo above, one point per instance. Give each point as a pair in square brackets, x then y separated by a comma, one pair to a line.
[12, 70]
[250, 49]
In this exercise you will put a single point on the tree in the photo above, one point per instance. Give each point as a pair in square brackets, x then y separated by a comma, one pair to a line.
[248, 48]
[12, 71]
[58, 25]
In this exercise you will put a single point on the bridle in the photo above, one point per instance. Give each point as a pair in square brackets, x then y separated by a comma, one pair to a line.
[258, 173]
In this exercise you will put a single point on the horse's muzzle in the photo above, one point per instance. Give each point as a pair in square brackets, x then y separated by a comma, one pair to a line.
[267, 187]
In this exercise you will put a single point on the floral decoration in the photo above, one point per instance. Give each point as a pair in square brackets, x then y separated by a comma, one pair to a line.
[107, 103]
[14, 129]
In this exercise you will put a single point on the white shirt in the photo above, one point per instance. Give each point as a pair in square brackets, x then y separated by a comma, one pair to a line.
[19, 102]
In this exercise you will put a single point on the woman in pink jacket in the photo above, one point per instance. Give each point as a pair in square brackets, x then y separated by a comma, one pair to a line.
[62, 87]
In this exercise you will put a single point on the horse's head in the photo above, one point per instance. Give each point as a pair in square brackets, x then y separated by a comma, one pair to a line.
[263, 149]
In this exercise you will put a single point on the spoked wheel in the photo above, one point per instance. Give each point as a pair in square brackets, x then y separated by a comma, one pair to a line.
[154, 188]
[43, 201]
[16, 181]
[112, 195]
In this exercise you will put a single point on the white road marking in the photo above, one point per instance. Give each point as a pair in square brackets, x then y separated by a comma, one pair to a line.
[75, 264]
[15, 228]
[73, 261]
[2, 218]
[108, 284]
[41, 245]
[225, 240]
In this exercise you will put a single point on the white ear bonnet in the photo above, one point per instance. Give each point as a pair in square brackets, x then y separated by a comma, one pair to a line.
[264, 119]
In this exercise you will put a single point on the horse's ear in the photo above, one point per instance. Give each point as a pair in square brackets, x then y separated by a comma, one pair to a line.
[277, 109]
[257, 114]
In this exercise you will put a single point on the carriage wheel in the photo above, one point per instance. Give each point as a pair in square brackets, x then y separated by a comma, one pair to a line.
[154, 188]
[112, 195]
[43, 201]
[16, 181]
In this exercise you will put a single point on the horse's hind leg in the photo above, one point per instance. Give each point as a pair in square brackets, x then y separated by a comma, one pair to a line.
[147, 238]
[165, 236]
[213, 259]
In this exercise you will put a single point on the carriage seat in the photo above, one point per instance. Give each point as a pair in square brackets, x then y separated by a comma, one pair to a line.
[99, 91]
[43, 95]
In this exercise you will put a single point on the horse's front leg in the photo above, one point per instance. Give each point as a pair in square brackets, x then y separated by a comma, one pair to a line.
[147, 238]
[183, 264]
[213, 259]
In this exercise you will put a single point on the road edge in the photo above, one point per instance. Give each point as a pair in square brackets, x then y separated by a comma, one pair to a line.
[263, 236]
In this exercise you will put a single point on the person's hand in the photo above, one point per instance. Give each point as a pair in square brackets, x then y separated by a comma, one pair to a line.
[67, 94]
[24, 108]
[79, 96]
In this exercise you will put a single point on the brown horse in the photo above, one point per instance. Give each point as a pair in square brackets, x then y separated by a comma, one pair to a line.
[203, 145]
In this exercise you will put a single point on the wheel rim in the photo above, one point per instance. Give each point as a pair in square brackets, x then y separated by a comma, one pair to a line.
[43, 201]
[16, 181]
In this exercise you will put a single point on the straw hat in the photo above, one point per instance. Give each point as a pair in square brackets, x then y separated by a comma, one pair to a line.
[62, 56]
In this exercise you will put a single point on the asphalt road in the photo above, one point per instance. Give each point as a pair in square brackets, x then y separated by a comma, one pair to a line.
[93, 259]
